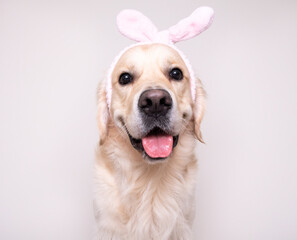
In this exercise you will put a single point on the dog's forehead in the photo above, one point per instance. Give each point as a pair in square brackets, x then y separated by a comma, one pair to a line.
[145, 55]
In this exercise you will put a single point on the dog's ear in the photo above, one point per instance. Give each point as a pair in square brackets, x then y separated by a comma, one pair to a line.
[199, 109]
[102, 112]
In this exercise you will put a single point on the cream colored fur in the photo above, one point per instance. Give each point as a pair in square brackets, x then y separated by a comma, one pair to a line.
[136, 199]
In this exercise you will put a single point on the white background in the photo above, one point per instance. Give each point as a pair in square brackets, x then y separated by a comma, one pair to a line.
[52, 56]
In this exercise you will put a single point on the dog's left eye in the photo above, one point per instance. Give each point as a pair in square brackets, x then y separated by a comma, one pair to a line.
[176, 74]
[125, 78]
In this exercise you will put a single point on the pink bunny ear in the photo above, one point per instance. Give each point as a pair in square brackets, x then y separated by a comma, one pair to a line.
[136, 26]
[191, 26]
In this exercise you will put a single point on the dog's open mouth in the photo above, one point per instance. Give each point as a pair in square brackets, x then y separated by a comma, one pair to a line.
[157, 144]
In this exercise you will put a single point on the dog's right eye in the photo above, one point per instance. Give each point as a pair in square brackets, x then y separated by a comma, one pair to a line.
[125, 78]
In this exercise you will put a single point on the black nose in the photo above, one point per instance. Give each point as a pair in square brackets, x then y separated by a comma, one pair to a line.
[155, 102]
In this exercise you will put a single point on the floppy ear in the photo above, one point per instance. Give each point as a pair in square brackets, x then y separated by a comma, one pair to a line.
[102, 112]
[199, 109]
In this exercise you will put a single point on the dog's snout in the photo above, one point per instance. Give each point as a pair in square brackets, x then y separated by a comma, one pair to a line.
[155, 102]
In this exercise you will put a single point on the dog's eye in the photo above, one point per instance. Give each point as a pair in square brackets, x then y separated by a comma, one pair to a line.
[176, 74]
[125, 78]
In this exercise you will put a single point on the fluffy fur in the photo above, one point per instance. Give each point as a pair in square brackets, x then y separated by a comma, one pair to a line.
[135, 197]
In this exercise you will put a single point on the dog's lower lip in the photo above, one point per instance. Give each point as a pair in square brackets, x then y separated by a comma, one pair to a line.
[137, 143]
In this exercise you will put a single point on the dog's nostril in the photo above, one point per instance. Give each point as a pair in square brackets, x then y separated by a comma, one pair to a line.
[166, 101]
[149, 102]
[145, 103]
[155, 101]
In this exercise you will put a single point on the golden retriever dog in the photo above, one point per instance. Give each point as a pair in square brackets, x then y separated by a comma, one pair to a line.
[145, 164]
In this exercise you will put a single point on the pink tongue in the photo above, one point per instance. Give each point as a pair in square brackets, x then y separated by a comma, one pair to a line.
[158, 146]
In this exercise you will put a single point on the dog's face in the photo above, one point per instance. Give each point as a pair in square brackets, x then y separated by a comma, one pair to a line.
[151, 100]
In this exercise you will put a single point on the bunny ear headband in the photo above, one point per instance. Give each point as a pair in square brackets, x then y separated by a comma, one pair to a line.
[137, 27]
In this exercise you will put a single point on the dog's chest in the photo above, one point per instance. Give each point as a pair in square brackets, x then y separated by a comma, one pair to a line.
[153, 207]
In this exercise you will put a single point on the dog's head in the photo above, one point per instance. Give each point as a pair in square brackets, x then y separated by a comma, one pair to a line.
[151, 101]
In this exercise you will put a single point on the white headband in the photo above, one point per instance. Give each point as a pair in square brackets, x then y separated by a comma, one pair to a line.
[136, 26]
